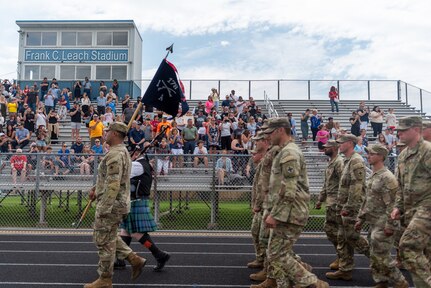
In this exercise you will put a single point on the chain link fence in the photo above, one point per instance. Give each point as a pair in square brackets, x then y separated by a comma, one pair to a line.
[190, 192]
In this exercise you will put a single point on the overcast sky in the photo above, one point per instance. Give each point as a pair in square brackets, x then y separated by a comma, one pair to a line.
[275, 39]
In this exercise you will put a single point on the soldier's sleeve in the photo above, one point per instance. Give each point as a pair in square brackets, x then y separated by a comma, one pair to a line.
[322, 195]
[362, 211]
[356, 187]
[399, 198]
[283, 200]
[114, 170]
[259, 193]
[388, 197]
[254, 188]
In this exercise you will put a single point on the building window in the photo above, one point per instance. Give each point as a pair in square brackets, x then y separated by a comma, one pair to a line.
[41, 38]
[103, 72]
[37, 72]
[104, 38]
[119, 72]
[83, 71]
[120, 38]
[73, 72]
[68, 38]
[84, 38]
[34, 38]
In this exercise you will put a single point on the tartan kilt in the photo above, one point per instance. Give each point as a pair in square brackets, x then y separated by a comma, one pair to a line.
[140, 219]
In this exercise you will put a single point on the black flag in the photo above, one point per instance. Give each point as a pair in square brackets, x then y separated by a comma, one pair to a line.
[165, 90]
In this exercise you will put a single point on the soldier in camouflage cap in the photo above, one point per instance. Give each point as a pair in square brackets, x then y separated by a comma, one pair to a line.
[112, 195]
[351, 194]
[289, 197]
[426, 130]
[265, 124]
[329, 194]
[413, 201]
[376, 210]
[259, 136]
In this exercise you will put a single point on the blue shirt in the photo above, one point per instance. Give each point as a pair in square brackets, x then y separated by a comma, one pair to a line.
[21, 133]
[315, 121]
[64, 157]
[137, 135]
[97, 149]
[101, 101]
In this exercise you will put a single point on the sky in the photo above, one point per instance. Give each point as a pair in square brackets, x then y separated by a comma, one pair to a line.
[277, 39]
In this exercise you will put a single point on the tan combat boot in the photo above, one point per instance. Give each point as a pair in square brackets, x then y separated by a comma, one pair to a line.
[335, 264]
[401, 284]
[259, 276]
[268, 283]
[339, 275]
[137, 264]
[100, 283]
[319, 284]
[255, 264]
[382, 285]
[307, 266]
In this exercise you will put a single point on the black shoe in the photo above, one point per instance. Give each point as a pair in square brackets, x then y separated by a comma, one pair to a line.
[119, 264]
[161, 262]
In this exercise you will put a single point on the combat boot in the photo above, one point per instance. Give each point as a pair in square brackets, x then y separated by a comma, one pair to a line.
[137, 264]
[161, 261]
[268, 283]
[339, 275]
[100, 283]
[401, 284]
[255, 264]
[335, 264]
[319, 284]
[259, 276]
[307, 266]
[382, 285]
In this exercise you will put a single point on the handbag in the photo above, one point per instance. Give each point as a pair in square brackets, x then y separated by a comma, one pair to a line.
[336, 100]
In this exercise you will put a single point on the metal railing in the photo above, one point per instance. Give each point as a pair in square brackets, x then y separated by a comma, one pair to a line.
[188, 193]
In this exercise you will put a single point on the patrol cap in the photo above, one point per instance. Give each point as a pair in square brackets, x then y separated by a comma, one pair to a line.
[409, 122]
[426, 124]
[119, 127]
[377, 149]
[331, 143]
[265, 124]
[259, 136]
[347, 137]
[281, 122]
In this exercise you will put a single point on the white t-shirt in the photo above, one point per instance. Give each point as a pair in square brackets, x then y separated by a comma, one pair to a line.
[198, 151]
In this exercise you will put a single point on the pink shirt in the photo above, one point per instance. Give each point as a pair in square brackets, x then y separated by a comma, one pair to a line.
[322, 136]
[208, 106]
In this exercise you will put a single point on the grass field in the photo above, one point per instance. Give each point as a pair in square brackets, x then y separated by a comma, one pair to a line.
[232, 215]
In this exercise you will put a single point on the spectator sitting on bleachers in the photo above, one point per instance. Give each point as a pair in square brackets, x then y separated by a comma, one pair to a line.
[164, 124]
[22, 137]
[86, 160]
[110, 103]
[226, 102]
[232, 108]
[109, 116]
[113, 95]
[154, 123]
[40, 118]
[48, 161]
[29, 119]
[223, 167]
[322, 136]
[163, 161]
[63, 161]
[32, 159]
[78, 146]
[251, 126]
[200, 155]
[41, 134]
[136, 135]
[128, 113]
[4, 143]
[97, 148]
[18, 164]
[364, 137]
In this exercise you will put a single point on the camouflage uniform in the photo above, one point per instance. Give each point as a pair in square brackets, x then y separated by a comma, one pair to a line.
[256, 203]
[289, 195]
[113, 204]
[414, 203]
[376, 210]
[329, 193]
[351, 195]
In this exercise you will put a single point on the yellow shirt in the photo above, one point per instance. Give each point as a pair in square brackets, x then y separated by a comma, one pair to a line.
[12, 107]
[97, 131]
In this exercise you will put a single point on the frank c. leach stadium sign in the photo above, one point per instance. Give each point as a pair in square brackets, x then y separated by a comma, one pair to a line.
[76, 55]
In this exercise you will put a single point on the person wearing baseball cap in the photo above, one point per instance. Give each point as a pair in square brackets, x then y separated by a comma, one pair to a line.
[414, 179]
[381, 191]
[351, 192]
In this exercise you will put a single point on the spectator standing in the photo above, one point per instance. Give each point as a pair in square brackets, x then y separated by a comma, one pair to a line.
[40, 118]
[32, 99]
[22, 137]
[29, 119]
[154, 123]
[215, 97]
[55, 92]
[103, 88]
[176, 146]
[209, 104]
[190, 136]
[110, 103]
[363, 113]
[87, 87]
[4, 143]
[164, 125]
[128, 113]
[163, 160]
[315, 121]
[292, 124]
[356, 124]
[304, 125]
[3, 105]
[213, 136]
[85, 103]
[115, 87]
[237, 146]
[364, 137]
[125, 102]
[62, 111]
[148, 129]
[225, 133]
[18, 164]
[77, 90]
[109, 116]
[226, 102]
[376, 119]
[44, 87]
[75, 118]
[96, 129]
[391, 119]
[12, 107]
[49, 101]
[333, 98]
[101, 103]
[53, 126]
[252, 126]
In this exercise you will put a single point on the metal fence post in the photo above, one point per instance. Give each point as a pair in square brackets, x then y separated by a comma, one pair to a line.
[338, 88]
[407, 94]
[190, 90]
[399, 90]
[219, 87]
[422, 107]
[214, 197]
[36, 193]
[249, 89]
[369, 90]
[309, 89]
[278, 89]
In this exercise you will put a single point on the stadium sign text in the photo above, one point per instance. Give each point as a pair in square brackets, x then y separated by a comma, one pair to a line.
[76, 55]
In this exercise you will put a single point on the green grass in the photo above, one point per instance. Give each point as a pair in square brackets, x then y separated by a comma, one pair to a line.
[232, 215]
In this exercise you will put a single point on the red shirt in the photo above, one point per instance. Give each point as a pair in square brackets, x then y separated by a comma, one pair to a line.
[18, 161]
[333, 94]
